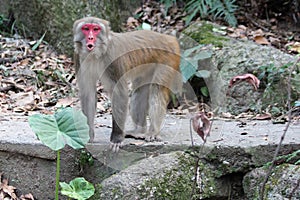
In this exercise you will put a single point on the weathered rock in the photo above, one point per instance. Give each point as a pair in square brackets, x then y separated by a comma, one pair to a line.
[231, 57]
[230, 152]
[283, 182]
[219, 172]
[124, 185]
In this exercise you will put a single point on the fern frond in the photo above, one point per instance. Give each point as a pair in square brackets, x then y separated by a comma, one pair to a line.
[217, 8]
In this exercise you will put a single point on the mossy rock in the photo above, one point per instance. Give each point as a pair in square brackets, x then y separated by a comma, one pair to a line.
[281, 183]
[203, 33]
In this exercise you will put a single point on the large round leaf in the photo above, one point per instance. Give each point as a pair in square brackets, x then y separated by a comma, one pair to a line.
[78, 188]
[67, 126]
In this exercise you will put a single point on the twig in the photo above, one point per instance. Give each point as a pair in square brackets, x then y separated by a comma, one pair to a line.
[284, 132]
[191, 132]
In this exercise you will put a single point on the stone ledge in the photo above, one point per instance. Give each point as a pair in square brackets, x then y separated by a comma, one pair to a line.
[20, 151]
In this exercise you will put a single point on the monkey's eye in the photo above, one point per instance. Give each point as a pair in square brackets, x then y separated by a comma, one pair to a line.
[96, 29]
[85, 28]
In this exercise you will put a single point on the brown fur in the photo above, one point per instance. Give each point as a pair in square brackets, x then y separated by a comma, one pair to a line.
[149, 60]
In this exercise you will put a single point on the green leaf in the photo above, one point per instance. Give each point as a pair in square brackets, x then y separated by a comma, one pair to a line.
[203, 55]
[78, 188]
[189, 63]
[188, 68]
[37, 44]
[67, 126]
[275, 110]
[202, 73]
[146, 26]
[189, 18]
[204, 91]
[188, 52]
[297, 103]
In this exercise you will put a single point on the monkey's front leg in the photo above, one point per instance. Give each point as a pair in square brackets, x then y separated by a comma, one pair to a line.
[87, 90]
[119, 111]
[88, 105]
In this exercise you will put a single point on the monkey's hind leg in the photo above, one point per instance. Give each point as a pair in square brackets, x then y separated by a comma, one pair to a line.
[139, 105]
[158, 100]
[139, 108]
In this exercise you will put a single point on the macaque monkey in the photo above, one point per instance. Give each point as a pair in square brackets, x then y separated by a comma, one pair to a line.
[146, 60]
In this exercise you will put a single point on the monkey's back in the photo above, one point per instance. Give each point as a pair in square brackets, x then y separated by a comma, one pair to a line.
[143, 47]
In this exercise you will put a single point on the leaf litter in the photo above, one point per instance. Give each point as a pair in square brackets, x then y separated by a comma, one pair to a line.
[8, 192]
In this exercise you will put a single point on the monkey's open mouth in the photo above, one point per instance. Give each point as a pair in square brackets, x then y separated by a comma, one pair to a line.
[90, 47]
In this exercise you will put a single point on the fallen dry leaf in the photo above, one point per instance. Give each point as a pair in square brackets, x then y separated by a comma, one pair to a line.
[132, 22]
[27, 197]
[261, 40]
[296, 47]
[22, 98]
[7, 189]
[100, 106]
[201, 125]
[7, 192]
[250, 78]
[258, 32]
[227, 115]
[264, 116]
[65, 102]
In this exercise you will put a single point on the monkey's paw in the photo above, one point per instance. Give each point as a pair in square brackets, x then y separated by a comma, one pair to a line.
[115, 146]
[153, 138]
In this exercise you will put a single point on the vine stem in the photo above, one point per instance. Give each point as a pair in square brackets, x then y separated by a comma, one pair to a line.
[57, 174]
[284, 131]
[197, 159]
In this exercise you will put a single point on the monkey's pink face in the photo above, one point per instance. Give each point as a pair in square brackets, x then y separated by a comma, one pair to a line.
[90, 32]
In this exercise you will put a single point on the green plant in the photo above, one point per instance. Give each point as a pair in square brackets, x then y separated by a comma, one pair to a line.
[189, 66]
[215, 8]
[293, 157]
[78, 188]
[4, 29]
[66, 126]
[144, 26]
[275, 79]
[2, 19]
[84, 158]
[37, 44]
[189, 63]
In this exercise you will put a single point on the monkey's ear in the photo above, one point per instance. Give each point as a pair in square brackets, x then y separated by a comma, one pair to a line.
[78, 35]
